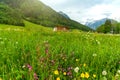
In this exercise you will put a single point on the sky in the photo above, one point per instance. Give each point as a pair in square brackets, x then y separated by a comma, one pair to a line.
[86, 10]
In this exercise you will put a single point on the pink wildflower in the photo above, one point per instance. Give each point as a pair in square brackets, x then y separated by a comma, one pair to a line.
[29, 67]
[35, 76]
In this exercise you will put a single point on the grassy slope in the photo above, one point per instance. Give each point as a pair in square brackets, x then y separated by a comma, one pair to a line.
[29, 45]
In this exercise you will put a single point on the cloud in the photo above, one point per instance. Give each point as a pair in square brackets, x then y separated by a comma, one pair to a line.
[82, 10]
[53, 2]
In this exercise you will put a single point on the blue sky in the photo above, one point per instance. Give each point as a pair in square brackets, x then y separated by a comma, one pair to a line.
[84, 10]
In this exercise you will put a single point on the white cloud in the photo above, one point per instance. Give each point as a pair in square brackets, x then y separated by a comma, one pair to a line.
[53, 2]
[82, 10]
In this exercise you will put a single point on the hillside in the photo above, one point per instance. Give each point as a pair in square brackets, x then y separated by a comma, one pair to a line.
[10, 16]
[37, 12]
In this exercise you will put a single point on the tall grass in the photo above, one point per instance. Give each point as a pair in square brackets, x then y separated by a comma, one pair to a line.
[38, 53]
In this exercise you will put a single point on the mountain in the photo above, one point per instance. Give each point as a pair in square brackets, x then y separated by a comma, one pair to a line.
[94, 24]
[64, 15]
[37, 12]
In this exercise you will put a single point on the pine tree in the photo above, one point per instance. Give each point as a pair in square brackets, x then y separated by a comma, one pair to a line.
[108, 26]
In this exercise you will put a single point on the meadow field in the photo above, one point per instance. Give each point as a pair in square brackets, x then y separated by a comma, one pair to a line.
[35, 52]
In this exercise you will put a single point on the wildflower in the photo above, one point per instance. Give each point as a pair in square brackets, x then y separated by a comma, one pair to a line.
[70, 68]
[116, 76]
[76, 69]
[82, 75]
[104, 73]
[29, 67]
[69, 73]
[87, 75]
[84, 65]
[58, 78]
[64, 73]
[0, 78]
[35, 76]
[77, 60]
[94, 55]
[56, 72]
[118, 71]
[23, 66]
[94, 75]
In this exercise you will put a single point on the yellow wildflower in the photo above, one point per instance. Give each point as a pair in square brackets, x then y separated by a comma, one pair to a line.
[56, 72]
[94, 75]
[64, 73]
[87, 75]
[58, 78]
[84, 65]
[82, 75]
[77, 60]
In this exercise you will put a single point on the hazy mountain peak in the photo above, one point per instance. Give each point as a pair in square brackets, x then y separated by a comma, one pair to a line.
[64, 15]
[94, 24]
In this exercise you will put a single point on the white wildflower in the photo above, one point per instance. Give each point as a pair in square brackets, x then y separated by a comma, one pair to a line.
[76, 69]
[118, 71]
[104, 72]
[23, 66]
[117, 77]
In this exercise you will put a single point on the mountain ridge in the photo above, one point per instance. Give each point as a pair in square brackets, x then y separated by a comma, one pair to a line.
[37, 12]
[64, 15]
[94, 24]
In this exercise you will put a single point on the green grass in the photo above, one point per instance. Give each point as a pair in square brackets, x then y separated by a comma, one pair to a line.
[33, 49]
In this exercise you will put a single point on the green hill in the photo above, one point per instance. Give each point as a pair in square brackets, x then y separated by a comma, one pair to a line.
[10, 16]
[37, 12]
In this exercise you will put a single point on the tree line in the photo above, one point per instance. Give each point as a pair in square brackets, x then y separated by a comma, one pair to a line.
[110, 26]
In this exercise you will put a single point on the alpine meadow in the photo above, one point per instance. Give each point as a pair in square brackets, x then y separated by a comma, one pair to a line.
[31, 50]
